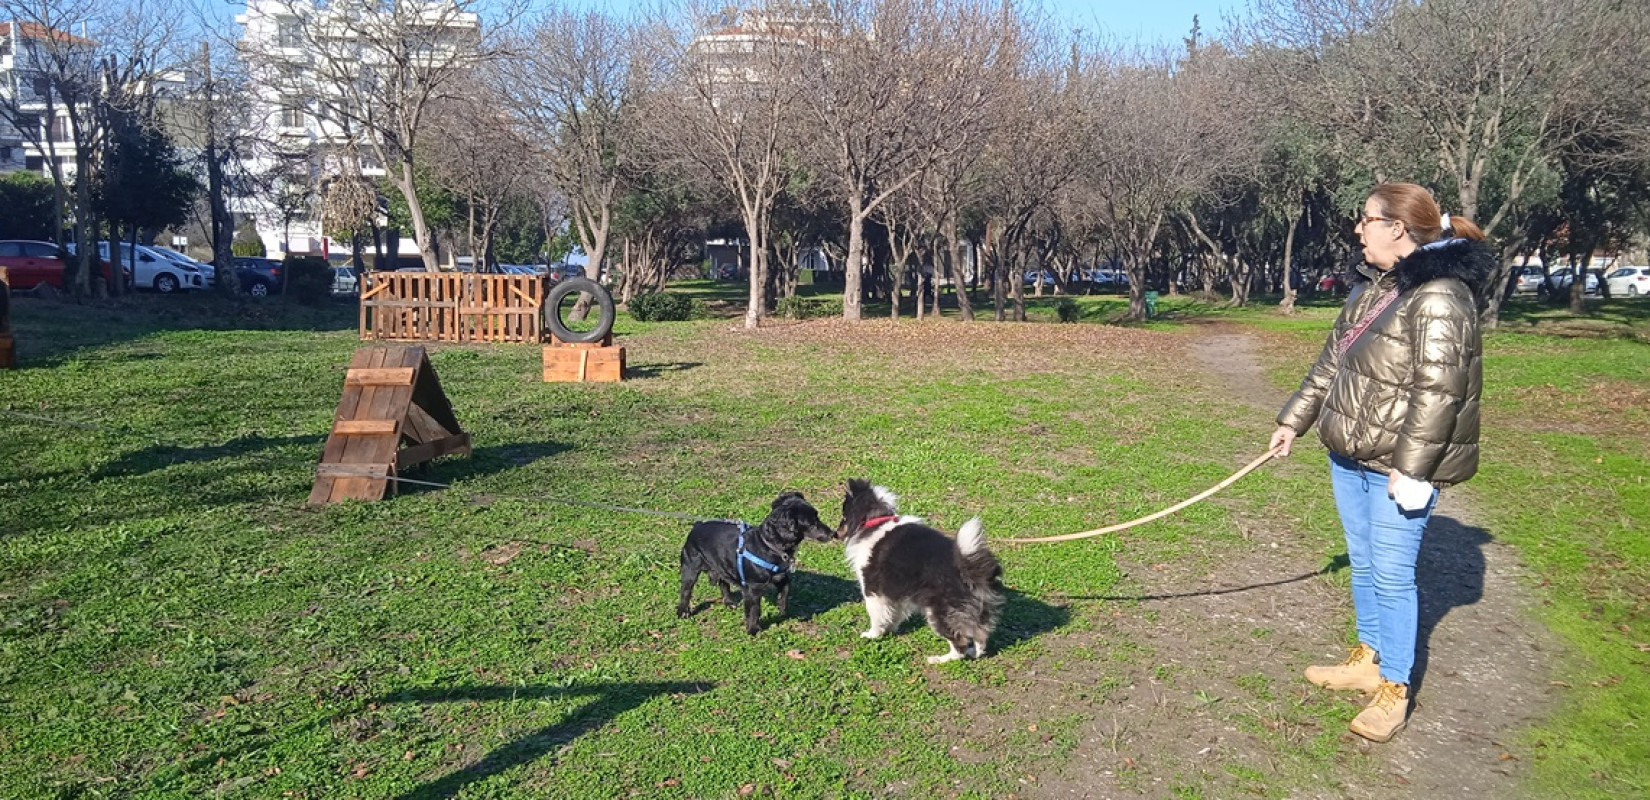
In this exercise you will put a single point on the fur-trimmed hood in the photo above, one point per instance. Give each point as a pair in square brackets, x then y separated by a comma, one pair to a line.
[1468, 260]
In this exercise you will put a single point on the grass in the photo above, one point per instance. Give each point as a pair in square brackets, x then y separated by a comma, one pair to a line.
[173, 623]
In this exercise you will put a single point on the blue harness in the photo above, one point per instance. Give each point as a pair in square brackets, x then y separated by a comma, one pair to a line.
[746, 555]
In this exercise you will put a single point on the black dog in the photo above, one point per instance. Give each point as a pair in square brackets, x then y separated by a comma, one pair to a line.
[754, 558]
[905, 566]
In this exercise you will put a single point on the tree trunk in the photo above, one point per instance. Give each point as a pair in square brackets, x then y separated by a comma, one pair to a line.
[1288, 304]
[421, 230]
[955, 263]
[855, 262]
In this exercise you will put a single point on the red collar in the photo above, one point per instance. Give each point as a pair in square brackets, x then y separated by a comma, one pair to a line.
[875, 521]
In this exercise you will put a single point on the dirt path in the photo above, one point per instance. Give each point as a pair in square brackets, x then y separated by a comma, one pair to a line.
[1213, 704]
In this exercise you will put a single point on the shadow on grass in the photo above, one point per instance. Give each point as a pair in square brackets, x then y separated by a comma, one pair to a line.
[49, 331]
[163, 455]
[1335, 564]
[607, 701]
[655, 370]
[1025, 618]
[1449, 574]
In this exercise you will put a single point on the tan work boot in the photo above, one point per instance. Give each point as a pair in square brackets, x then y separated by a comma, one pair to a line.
[1359, 671]
[1385, 715]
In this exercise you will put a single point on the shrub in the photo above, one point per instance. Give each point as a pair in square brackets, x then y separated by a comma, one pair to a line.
[243, 249]
[308, 278]
[661, 307]
[1068, 310]
[798, 307]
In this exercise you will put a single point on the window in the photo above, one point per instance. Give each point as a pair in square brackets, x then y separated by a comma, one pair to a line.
[39, 250]
[41, 85]
[5, 153]
[34, 163]
[60, 130]
[292, 113]
[11, 249]
[288, 33]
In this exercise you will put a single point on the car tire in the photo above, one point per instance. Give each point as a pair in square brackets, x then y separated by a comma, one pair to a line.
[258, 289]
[166, 284]
[552, 311]
[1632, 291]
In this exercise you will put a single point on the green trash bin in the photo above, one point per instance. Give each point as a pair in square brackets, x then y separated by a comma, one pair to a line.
[1151, 304]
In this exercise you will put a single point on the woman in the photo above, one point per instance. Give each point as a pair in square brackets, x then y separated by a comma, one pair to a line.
[1395, 396]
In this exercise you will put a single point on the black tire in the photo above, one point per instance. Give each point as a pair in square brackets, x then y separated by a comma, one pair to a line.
[1632, 291]
[552, 310]
[258, 289]
[166, 284]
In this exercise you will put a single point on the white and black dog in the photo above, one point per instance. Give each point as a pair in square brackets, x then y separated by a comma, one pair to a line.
[905, 566]
[754, 558]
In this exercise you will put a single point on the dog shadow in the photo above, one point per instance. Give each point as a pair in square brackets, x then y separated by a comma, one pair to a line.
[1449, 574]
[812, 595]
[1025, 618]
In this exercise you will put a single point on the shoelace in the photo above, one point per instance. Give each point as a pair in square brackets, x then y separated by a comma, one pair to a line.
[1389, 695]
[1355, 659]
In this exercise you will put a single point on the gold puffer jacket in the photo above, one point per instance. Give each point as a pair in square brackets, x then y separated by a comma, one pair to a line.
[1405, 393]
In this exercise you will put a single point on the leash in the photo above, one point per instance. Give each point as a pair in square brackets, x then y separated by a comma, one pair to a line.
[1247, 468]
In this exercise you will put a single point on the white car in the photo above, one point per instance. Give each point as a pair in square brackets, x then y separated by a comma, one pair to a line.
[1629, 281]
[151, 269]
[207, 270]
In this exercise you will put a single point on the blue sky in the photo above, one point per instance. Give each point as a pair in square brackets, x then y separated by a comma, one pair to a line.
[1144, 21]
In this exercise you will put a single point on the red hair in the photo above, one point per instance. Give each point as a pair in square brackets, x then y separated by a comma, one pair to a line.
[1420, 213]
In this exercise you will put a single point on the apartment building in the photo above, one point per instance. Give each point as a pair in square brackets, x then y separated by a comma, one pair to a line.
[34, 121]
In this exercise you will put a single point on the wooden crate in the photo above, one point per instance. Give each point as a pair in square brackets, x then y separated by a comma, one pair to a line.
[583, 362]
[393, 416]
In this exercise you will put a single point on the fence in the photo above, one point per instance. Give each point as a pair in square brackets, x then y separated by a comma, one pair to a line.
[452, 307]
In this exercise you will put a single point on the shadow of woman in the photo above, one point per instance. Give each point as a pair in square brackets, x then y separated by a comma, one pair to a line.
[1449, 574]
[607, 701]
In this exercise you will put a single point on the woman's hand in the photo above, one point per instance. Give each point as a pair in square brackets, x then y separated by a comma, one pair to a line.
[1282, 439]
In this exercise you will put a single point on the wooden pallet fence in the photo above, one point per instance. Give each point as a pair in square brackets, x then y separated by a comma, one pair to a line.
[452, 307]
[393, 416]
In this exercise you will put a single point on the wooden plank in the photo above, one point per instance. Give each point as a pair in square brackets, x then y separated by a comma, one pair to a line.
[353, 470]
[392, 376]
[322, 491]
[366, 426]
[360, 449]
[451, 445]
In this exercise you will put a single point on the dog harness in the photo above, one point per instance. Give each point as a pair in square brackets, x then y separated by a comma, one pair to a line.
[746, 555]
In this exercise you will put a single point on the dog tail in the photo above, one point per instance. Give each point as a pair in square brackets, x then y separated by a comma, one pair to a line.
[971, 537]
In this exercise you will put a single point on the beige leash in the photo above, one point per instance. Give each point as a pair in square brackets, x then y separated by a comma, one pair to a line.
[1248, 468]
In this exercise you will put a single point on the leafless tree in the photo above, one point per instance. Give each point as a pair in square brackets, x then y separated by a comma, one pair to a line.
[892, 84]
[573, 84]
[84, 63]
[372, 71]
[477, 153]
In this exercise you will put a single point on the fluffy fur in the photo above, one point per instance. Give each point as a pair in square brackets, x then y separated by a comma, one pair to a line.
[905, 566]
[712, 547]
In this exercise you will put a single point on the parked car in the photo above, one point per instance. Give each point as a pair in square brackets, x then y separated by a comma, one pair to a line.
[1333, 283]
[152, 269]
[1629, 281]
[1527, 280]
[1561, 278]
[31, 263]
[1047, 278]
[344, 281]
[207, 271]
[260, 277]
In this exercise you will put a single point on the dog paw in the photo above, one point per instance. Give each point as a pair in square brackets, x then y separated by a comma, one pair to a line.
[683, 613]
[871, 634]
[951, 656]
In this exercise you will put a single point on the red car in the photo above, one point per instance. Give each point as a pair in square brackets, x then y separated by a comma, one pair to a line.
[30, 263]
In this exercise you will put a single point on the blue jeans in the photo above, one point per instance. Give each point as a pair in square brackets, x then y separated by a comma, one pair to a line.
[1382, 542]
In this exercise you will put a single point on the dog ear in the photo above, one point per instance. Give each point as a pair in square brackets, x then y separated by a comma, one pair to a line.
[858, 486]
[785, 497]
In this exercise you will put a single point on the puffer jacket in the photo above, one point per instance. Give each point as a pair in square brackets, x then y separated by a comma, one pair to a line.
[1405, 394]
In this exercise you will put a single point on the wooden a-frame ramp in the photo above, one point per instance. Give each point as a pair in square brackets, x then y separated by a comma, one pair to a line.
[391, 397]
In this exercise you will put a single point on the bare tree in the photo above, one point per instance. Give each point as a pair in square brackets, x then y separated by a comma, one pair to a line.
[573, 85]
[477, 153]
[372, 71]
[892, 84]
[730, 113]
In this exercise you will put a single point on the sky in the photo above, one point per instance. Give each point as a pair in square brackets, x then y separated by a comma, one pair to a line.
[1145, 21]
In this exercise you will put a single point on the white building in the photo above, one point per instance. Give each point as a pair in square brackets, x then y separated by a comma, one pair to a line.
[34, 131]
[294, 48]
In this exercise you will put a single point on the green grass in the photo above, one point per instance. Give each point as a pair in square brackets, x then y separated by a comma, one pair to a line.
[173, 623]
